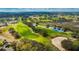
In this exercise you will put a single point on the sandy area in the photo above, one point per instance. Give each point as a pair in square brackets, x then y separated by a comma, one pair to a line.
[57, 42]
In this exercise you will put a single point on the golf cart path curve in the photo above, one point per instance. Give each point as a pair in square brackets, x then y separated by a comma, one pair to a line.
[57, 42]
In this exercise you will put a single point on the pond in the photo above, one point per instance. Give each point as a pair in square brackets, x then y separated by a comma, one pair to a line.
[57, 29]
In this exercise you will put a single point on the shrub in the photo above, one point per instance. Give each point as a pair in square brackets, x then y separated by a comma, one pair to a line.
[14, 33]
[28, 45]
[1, 43]
[67, 44]
[1, 31]
[75, 34]
[76, 45]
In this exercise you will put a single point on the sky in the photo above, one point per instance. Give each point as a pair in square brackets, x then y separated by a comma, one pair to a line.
[39, 9]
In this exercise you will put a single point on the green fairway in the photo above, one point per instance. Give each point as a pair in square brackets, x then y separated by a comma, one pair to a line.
[53, 33]
[26, 32]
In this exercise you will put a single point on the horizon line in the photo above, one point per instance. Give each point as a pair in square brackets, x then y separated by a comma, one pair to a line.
[39, 9]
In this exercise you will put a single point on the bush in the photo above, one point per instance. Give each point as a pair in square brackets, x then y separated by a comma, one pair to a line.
[1, 31]
[1, 43]
[11, 30]
[28, 45]
[75, 34]
[76, 45]
[14, 33]
[67, 44]
[73, 46]
[45, 34]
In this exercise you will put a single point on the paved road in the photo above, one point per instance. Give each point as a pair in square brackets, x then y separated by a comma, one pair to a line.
[57, 42]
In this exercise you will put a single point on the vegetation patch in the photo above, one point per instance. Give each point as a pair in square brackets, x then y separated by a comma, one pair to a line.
[26, 32]
[52, 33]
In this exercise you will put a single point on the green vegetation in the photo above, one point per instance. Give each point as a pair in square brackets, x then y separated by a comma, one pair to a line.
[28, 45]
[76, 45]
[26, 32]
[52, 33]
[1, 43]
[71, 45]
[67, 44]
[35, 33]
[55, 18]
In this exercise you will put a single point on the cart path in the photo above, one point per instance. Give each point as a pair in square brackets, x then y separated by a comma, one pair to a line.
[57, 42]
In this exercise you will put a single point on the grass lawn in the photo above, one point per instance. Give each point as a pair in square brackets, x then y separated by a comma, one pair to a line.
[53, 33]
[27, 33]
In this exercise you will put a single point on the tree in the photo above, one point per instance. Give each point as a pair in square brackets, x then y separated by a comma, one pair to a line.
[27, 45]
[14, 33]
[48, 26]
[75, 34]
[1, 31]
[76, 45]
[1, 43]
[45, 34]
[67, 44]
